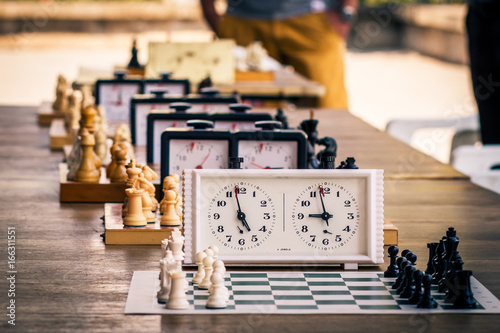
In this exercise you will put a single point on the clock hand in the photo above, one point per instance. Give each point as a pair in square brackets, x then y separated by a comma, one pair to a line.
[261, 167]
[240, 215]
[321, 216]
[327, 232]
[241, 231]
[204, 160]
[326, 215]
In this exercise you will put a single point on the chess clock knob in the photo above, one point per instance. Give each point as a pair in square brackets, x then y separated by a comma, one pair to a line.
[209, 92]
[180, 107]
[239, 108]
[271, 148]
[240, 216]
[326, 215]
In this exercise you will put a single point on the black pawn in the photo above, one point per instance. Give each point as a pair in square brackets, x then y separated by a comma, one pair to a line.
[465, 297]
[417, 294]
[402, 262]
[401, 287]
[427, 302]
[432, 253]
[409, 286]
[412, 258]
[350, 163]
[392, 269]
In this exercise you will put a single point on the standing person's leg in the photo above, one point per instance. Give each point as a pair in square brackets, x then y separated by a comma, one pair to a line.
[311, 45]
[483, 27]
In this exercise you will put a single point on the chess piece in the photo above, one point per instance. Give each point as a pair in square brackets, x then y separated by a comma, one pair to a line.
[175, 177]
[73, 114]
[216, 251]
[170, 217]
[147, 205]
[417, 293]
[112, 165]
[176, 245]
[164, 291]
[87, 98]
[464, 296]
[209, 252]
[132, 174]
[427, 302]
[87, 172]
[60, 104]
[150, 175]
[446, 279]
[164, 247]
[119, 173]
[432, 253]
[350, 163]
[177, 298]
[123, 135]
[438, 262]
[74, 159]
[134, 61]
[208, 262]
[451, 293]
[101, 133]
[135, 216]
[399, 281]
[167, 181]
[392, 269]
[217, 298]
[409, 287]
[201, 271]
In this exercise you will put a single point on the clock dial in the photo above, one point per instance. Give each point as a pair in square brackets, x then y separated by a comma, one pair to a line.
[328, 215]
[268, 154]
[158, 127]
[240, 216]
[116, 99]
[197, 154]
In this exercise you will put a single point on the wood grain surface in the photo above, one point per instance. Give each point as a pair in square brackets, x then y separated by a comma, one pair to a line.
[69, 281]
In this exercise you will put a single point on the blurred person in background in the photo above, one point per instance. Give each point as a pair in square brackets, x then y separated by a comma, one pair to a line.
[483, 28]
[306, 34]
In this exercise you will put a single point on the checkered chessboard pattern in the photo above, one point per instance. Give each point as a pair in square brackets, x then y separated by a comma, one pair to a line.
[298, 292]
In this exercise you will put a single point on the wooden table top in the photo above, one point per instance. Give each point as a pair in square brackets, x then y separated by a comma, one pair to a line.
[69, 281]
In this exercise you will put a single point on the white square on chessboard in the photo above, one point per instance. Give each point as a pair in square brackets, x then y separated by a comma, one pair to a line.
[292, 292]
[252, 287]
[336, 297]
[328, 288]
[289, 283]
[369, 292]
[253, 297]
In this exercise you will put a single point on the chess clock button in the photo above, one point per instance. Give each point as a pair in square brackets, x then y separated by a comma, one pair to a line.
[326, 215]
[241, 216]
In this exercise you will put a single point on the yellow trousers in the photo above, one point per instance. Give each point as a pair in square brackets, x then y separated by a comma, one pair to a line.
[308, 43]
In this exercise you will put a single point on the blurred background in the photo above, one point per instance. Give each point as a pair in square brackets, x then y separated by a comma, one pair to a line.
[406, 65]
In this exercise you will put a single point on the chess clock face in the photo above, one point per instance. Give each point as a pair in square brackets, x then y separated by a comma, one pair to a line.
[326, 215]
[157, 122]
[268, 154]
[115, 96]
[306, 216]
[283, 149]
[187, 148]
[240, 216]
[197, 154]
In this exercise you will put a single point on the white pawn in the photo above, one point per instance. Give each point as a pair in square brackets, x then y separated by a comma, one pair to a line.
[218, 299]
[201, 271]
[209, 252]
[177, 298]
[216, 251]
[218, 267]
[207, 265]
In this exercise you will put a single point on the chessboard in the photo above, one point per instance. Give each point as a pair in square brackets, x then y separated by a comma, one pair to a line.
[294, 292]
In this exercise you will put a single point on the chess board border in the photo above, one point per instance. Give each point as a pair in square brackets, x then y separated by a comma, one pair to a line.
[368, 293]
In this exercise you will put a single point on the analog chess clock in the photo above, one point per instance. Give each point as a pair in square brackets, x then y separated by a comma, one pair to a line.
[285, 216]
[269, 147]
[197, 147]
[115, 96]
[169, 85]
